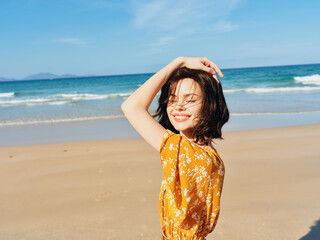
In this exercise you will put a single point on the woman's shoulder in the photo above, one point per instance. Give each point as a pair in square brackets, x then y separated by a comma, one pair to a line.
[171, 137]
[170, 141]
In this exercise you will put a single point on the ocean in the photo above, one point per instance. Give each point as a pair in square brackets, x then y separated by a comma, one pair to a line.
[248, 91]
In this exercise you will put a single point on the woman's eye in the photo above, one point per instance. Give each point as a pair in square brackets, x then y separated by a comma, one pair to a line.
[186, 101]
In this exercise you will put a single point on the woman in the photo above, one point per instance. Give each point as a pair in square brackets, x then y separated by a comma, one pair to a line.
[192, 111]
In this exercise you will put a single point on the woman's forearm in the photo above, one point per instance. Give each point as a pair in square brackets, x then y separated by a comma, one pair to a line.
[144, 95]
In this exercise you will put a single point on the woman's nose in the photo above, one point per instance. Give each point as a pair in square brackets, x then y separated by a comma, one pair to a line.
[180, 104]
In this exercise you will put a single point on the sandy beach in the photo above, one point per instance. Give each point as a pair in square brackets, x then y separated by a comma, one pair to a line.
[109, 189]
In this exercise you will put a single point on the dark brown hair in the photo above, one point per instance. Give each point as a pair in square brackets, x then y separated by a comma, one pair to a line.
[214, 111]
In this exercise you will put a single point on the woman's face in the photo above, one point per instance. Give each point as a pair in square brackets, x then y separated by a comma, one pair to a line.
[184, 106]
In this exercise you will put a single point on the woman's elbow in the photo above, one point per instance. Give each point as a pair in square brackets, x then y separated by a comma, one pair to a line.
[123, 106]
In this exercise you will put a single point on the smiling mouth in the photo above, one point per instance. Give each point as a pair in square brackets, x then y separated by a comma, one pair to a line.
[181, 118]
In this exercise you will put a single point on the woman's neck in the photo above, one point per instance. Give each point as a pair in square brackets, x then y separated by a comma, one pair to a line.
[200, 143]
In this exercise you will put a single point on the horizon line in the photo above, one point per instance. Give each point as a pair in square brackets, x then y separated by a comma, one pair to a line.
[127, 74]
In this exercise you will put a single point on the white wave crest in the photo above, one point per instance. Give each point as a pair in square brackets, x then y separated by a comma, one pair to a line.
[87, 96]
[60, 99]
[272, 113]
[267, 90]
[24, 101]
[48, 103]
[312, 79]
[27, 122]
[9, 94]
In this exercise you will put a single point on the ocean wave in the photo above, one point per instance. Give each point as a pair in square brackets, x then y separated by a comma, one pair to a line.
[312, 79]
[48, 103]
[62, 120]
[87, 96]
[9, 94]
[268, 90]
[273, 113]
[60, 99]
[23, 102]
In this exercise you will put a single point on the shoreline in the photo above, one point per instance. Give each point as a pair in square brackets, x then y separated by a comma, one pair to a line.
[109, 189]
[120, 128]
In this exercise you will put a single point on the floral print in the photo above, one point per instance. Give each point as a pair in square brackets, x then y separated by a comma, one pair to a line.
[189, 201]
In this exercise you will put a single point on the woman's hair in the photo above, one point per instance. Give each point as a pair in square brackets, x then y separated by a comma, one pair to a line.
[214, 112]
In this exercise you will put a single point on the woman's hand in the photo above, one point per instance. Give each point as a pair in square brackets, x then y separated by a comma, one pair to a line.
[201, 63]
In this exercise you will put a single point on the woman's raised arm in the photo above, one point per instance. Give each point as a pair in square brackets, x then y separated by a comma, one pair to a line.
[136, 106]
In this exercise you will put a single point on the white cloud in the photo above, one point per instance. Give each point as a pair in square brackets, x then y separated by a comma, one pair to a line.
[160, 42]
[158, 45]
[72, 41]
[161, 14]
[224, 26]
[181, 18]
[168, 15]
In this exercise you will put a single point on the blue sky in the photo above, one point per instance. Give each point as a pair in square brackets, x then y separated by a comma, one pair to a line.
[100, 37]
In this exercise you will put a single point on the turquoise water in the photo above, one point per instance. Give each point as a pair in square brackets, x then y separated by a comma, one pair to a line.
[248, 91]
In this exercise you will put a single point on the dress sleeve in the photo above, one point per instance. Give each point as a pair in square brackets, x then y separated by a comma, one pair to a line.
[186, 171]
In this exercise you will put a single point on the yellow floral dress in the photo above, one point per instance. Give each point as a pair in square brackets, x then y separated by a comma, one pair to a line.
[189, 201]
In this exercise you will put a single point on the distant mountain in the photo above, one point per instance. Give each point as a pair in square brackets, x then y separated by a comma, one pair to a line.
[47, 76]
[44, 76]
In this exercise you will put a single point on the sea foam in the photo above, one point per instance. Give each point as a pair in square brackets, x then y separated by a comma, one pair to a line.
[312, 79]
[58, 99]
[270, 89]
[62, 120]
[9, 94]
